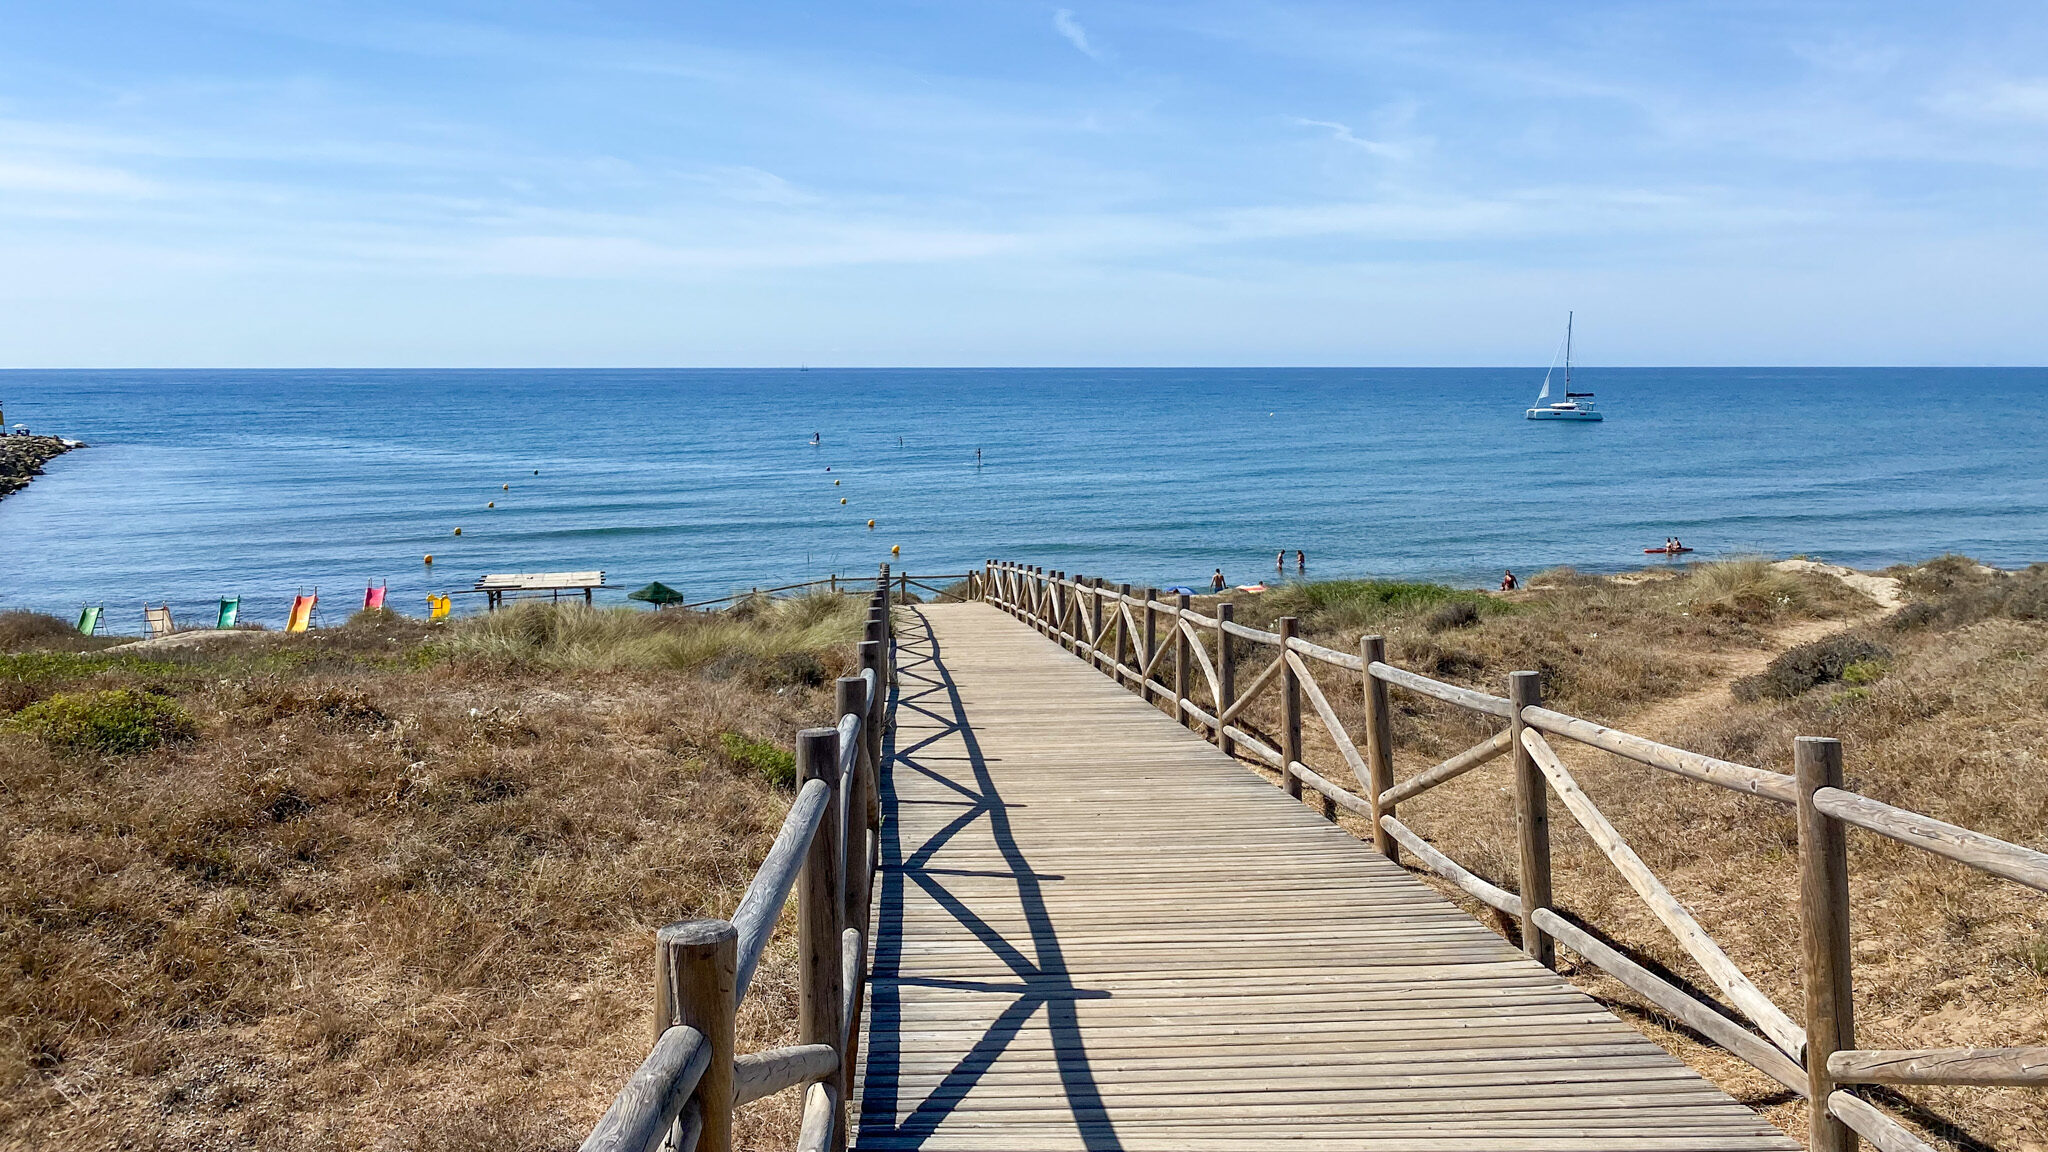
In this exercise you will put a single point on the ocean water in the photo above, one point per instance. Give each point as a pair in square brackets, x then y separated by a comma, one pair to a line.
[261, 484]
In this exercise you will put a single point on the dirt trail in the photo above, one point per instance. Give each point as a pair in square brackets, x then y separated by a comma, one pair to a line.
[1667, 720]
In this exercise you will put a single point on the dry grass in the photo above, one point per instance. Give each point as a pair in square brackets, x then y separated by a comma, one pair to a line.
[400, 890]
[1952, 724]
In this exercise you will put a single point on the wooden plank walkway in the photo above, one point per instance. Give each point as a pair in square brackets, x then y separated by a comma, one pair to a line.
[1095, 931]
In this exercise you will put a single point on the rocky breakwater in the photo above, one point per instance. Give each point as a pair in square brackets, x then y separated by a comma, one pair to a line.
[22, 458]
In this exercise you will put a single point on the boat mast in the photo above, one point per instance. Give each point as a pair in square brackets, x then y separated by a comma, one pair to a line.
[1567, 354]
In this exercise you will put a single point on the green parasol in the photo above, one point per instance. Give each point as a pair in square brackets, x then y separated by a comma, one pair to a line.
[658, 594]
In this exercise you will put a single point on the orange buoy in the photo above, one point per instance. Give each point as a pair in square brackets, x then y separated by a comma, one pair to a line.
[896, 550]
[492, 504]
[871, 523]
[428, 559]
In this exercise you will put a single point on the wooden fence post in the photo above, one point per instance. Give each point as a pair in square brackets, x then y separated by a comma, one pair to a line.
[1181, 660]
[1824, 935]
[1095, 625]
[871, 730]
[1123, 634]
[851, 699]
[821, 900]
[697, 970]
[1379, 743]
[1532, 809]
[1151, 645]
[1226, 674]
[1290, 713]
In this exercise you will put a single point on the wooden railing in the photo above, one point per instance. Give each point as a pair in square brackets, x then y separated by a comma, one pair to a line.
[1137, 638]
[683, 1094]
[904, 581]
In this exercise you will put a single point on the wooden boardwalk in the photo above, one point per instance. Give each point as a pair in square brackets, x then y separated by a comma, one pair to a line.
[1095, 931]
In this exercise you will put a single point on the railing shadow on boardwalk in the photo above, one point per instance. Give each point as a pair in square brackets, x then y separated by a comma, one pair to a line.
[926, 692]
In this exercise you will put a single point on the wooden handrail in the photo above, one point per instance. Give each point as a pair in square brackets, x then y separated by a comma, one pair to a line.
[762, 904]
[2022, 1067]
[640, 1115]
[1448, 693]
[2020, 865]
[827, 850]
[1724, 773]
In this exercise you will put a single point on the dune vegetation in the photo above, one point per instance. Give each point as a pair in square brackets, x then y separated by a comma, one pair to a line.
[382, 886]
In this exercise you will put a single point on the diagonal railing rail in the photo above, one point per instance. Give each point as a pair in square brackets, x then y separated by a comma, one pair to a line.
[1120, 633]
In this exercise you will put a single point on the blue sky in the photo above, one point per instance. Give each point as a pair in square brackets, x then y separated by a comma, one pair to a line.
[669, 183]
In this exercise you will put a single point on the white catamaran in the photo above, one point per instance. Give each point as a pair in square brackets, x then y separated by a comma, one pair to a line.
[1575, 405]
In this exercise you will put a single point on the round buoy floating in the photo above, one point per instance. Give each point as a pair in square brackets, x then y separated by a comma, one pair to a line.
[427, 559]
[458, 531]
[842, 499]
[896, 550]
[871, 523]
[492, 504]
[835, 483]
[536, 471]
[508, 487]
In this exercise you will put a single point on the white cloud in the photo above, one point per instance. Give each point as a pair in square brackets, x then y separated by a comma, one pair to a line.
[1343, 134]
[2007, 99]
[1064, 23]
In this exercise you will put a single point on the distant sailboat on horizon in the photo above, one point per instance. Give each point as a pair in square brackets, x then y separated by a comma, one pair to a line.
[1575, 405]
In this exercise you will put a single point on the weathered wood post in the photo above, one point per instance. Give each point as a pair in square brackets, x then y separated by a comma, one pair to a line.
[1181, 660]
[1095, 624]
[1290, 713]
[1123, 634]
[697, 985]
[1151, 645]
[1226, 674]
[1532, 811]
[1379, 743]
[1824, 936]
[821, 902]
[871, 725]
[851, 699]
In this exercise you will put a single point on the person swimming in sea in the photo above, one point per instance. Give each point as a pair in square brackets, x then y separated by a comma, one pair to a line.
[1216, 581]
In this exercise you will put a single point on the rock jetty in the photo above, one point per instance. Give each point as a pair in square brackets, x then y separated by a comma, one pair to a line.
[23, 457]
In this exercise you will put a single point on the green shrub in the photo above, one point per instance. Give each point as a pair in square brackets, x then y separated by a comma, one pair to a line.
[116, 722]
[1800, 669]
[1865, 672]
[1347, 605]
[775, 765]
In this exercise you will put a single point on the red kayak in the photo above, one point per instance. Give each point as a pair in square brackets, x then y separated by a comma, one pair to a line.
[1664, 551]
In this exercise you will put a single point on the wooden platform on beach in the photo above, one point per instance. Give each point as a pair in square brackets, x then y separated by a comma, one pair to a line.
[1093, 930]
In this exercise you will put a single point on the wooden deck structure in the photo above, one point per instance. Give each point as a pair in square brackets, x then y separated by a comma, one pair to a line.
[1094, 930]
[1041, 905]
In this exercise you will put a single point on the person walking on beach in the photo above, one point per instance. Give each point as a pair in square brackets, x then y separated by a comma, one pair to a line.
[1508, 581]
[1216, 582]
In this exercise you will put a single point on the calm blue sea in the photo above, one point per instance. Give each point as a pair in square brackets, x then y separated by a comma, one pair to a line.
[259, 484]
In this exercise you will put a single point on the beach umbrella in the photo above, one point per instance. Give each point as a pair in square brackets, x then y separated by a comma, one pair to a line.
[657, 594]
